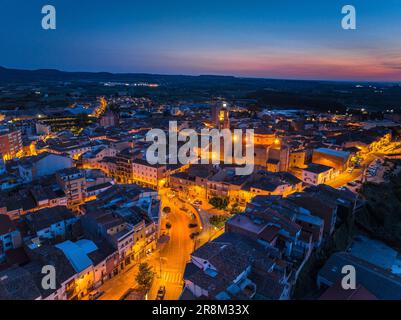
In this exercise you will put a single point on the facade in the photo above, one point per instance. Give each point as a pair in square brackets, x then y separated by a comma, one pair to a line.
[205, 182]
[280, 156]
[73, 182]
[10, 236]
[145, 174]
[10, 143]
[297, 159]
[316, 174]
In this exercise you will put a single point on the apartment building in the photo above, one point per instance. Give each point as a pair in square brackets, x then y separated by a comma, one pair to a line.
[73, 182]
[10, 143]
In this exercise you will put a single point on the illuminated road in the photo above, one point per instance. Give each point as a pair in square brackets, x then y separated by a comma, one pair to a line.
[115, 288]
[171, 261]
[175, 253]
[346, 177]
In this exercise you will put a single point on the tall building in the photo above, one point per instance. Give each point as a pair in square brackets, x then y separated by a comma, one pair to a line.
[73, 182]
[10, 143]
[221, 115]
[278, 158]
[264, 138]
[124, 160]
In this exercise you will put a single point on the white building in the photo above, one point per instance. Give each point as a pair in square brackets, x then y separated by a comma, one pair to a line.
[42, 165]
[316, 174]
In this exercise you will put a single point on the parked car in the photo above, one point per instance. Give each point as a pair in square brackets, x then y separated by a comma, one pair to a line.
[161, 293]
[94, 295]
[194, 234]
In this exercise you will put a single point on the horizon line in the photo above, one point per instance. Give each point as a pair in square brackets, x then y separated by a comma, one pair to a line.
[201, 75]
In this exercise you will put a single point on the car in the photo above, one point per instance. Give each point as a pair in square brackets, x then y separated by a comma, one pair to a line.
[197, 203]
[184, 209]
[192, 225]
[94, 295]
[194, 234]
[352, 184]
[161, 293]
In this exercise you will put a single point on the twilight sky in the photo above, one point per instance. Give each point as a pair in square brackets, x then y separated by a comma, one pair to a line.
[258, 38]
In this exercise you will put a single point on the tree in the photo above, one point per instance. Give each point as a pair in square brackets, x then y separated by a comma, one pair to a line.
[218, 221]
[219, 203]
[235, 209]
[145, 276]
[166, 210]
[168, 225]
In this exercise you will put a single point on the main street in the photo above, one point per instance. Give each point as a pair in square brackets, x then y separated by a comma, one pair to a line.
[174, 255]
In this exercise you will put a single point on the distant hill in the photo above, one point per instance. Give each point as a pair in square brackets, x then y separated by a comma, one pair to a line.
[19, 75]
[321, 95]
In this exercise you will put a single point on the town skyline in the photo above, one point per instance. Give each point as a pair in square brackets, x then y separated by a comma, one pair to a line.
[217, 154]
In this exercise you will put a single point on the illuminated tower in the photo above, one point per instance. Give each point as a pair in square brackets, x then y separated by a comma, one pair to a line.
[221, 115]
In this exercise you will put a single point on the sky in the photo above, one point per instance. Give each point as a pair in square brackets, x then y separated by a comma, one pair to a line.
[287, 39]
